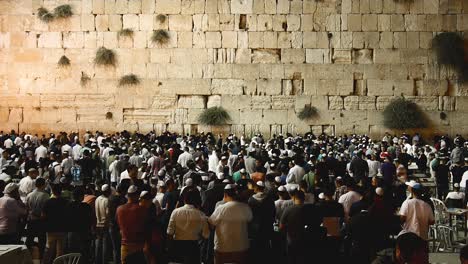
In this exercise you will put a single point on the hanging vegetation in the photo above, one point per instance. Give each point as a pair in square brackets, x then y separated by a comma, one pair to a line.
[161, 18]
[128, 80]
[63, 11]
[449, 48]
[84, 79]
[44, 15]
[105, 57]
[126, 32]
[214, 116]
[160, 37]
[308, 112]
[404, 114]
[64, 61]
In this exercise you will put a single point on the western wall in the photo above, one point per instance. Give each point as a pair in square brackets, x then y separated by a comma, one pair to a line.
[262, 60]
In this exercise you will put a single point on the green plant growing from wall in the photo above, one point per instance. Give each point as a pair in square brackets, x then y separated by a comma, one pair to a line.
[105, 57]
[403, 114]
[44, 15]
[84, 80]
[161, 18]
[129, 80]
[449, 48]
[308, 112]
[63, 11]
[126, 32]
[160, 37]
[64, 61]
[214, 116]
[109, 115]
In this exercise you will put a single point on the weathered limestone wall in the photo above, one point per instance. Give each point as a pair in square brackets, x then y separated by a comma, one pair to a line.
[263, 60]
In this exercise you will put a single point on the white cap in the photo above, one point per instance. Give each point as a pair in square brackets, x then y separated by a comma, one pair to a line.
[281, 189]
[456, 185]
[226, 181]
[278, 179]
[11, 187]
[143, 193]
[132, 189]
[223, 158]
[220, 176]
[379, 191]
[189, 182]
[160, 173]
[229, 186]
[104, 187]
[242, 171]
[161, 184]
[414, 184]
[321, 196]
[260, 184]
[205, 178]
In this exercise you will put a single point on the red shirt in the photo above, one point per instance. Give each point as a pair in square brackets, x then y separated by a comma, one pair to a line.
[133, 222]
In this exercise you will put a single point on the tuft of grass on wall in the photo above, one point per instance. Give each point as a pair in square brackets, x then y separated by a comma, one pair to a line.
[63, 11]
[161, 18]
[160, 37]
[84, 80]
[307, 112]
[214, 116]
[404, 114]
[105, 57]
[129, 80]
[449, 48]
[126, 32]
[64, 61]
[109, 115]
[44, 15]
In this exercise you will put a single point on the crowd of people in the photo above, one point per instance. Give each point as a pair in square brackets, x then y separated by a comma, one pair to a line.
[159, 198]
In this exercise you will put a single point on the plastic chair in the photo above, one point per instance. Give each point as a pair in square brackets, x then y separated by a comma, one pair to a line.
[440, 212]
[448, 240]
[72, 258]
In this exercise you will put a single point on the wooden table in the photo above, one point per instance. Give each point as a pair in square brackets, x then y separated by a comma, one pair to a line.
[458, 212]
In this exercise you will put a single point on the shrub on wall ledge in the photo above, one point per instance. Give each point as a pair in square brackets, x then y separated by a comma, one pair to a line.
[161, 18]
[105, 57]
[126, 32]
[44, 15]
[84, 80]
[214, 116]
[308, 112]
[63, 11]
[128, 80]
[64, 61]
[404, 114]
[449, 48]
[160, 37]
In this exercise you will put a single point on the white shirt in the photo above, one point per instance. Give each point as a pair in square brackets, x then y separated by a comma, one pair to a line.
[8, 143]
[184, 158]
[348, 199]
[213, 161]
[374, 167]
[76, 152]
[41, 152]
[113, 171]
[26, 185]
[295, 175]
[102, 211]
[464, 179]
[455, 195]
[231, 220]
[418, 216]
[281, 205]
[18, 141]
[188, 223]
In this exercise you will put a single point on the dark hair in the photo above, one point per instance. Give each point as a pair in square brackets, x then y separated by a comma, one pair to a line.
[78, 194]
[299, 195]
[191, 196]
[231, 193]
[409, 244]
[123, 186]
[40, 182]
[56, 189]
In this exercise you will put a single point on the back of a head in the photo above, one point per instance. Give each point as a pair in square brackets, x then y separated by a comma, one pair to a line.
[299, 195]
[410, 247]
[191, 196]
[40, 182]
[56, 189]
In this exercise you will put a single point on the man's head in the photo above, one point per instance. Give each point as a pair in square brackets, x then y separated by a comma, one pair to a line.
[191, 196]
[12, 190]
[132, 171]
[230, 192]
[259, 187]
[133, 194]
[105, 189]
[32, 172]
[40, 183]
[298, 197]
[56, 189]
[410, 248]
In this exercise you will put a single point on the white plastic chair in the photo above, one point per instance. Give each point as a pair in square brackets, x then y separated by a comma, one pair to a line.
[72, 258]
[440, 212]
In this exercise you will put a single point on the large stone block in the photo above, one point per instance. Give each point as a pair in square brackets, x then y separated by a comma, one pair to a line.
[275, 117]
[191, 102]
[434, 87]
[228, 86]
[241, 6]
[50, 40]
[261, 102]
[168, 6]
[266, 56]
[295, 56]
[335, 103]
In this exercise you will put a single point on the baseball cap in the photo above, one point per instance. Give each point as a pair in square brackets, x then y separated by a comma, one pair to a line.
[413, 184]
